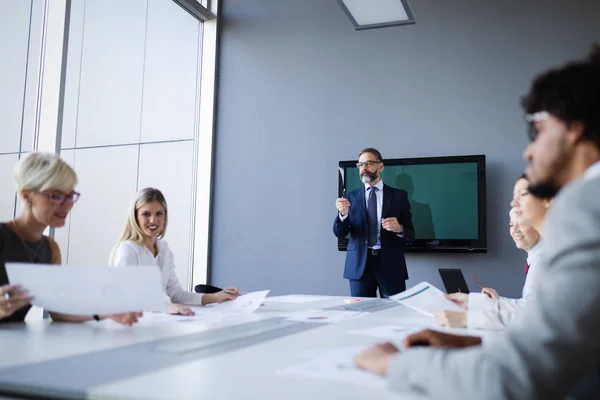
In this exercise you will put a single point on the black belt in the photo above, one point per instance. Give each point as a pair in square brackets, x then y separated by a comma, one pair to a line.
[374, 252]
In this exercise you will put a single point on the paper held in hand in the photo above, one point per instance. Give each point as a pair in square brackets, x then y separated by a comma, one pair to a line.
[426, 298]
[85, 290]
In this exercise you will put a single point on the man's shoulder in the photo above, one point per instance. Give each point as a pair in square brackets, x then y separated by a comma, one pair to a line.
[580, 196]
[573, 222]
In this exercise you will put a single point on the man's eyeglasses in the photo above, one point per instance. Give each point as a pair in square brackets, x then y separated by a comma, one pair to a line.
[60, 198]
[531, 119]
[367, 164]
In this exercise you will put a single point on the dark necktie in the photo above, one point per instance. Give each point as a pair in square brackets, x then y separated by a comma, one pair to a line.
[372, 216]
[526, 268]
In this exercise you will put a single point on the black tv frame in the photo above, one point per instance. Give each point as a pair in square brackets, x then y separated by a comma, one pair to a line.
[437, 245]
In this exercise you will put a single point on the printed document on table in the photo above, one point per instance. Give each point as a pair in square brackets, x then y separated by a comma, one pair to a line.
[86, 290]
[247, 303]
[328, 316]
[335, 365]
[396, 332]
[295, 299]
[426, 298]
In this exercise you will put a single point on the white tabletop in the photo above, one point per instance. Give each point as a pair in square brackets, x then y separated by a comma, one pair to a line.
[246, 372]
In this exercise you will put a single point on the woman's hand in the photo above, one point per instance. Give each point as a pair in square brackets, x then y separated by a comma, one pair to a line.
[461, 299]
[126, 318]
[452, 319]
[229, 293]
[179, 309]
[12, 298]
[491, 293]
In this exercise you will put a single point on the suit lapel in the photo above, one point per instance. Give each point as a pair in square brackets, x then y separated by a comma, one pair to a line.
[388, 194]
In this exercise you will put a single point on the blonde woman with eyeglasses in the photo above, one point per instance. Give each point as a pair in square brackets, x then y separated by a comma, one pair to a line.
[142, 243]
[46, 184]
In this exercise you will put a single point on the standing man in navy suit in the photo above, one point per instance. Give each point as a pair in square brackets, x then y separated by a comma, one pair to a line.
[379, 222]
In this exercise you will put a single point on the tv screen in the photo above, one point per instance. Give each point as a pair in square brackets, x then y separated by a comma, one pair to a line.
[446, 195]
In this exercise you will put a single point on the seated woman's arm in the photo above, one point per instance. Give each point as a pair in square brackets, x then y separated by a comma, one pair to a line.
[125, 318]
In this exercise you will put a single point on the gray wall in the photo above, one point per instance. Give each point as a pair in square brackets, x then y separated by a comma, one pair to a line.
[300, 90]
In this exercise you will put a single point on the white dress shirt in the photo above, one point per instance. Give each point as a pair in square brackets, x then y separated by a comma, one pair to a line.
[486, 313]
[379, 194]
[130, 254]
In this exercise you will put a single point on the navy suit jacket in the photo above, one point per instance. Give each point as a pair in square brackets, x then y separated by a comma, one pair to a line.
[395, 204]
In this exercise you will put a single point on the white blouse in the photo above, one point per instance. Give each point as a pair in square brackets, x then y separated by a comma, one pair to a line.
[486, 313]
[130, 254]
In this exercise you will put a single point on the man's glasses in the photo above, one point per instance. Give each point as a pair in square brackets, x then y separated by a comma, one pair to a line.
[367, 164]
[60, 198]
[531, 119]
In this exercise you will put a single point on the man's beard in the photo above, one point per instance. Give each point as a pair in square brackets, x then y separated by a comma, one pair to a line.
[550, 188]
[543, 190]
[368, 177]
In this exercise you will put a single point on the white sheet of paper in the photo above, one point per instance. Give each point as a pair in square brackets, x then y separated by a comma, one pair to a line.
[295, 299]
[395, 332]
[425, 298]
[328, 316]
[334, 365]
[247, 303]
[85, 290]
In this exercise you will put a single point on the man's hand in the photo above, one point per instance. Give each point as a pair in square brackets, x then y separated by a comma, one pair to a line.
[391, 224]
[461, 299]
[376, 359]
[432, 338]
[342, 204]
[452, 319]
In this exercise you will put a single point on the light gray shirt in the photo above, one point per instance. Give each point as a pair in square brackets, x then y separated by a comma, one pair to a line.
[553, 343]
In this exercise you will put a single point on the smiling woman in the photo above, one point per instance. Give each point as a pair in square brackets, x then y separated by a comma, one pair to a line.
[142, 244]
[46, 185]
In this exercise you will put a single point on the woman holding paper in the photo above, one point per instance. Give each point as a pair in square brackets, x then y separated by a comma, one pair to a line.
[487, 310]
[46, 185]
[142, 244]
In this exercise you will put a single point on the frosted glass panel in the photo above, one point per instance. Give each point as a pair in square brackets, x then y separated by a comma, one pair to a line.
[33, 75]
[107, 182]
[69, 128]
[112, 67]
[14, 31]
[7, 194]
[171, 73]
[61, 235]
[169, 167]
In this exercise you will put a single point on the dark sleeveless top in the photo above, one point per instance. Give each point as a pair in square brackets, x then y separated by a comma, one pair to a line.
[13, 249]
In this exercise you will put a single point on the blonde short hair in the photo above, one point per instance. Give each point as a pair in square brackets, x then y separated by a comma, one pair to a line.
[44, 171]
[132, 231]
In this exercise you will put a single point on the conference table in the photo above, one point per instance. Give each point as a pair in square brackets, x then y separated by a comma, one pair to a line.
[260, 355]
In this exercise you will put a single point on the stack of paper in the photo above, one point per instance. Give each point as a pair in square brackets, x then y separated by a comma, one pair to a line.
[426, 299]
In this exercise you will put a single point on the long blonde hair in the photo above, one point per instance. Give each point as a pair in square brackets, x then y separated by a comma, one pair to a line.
[132, 231]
